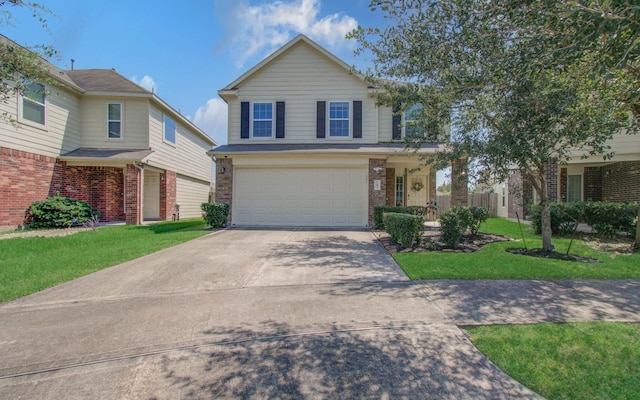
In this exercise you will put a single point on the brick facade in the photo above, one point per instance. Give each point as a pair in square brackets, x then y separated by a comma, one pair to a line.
[24, 178]
[224, 182]
[552, 180]
[432, 185]
[592, 184]
[621, 182]
[377, 171]
[167, 195]
[459, 180]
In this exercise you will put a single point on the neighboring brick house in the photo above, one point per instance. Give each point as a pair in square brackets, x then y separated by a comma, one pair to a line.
[98, 137]
[590, 179]
[308, 146]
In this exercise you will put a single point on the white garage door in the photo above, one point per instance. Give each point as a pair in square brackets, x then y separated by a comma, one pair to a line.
[300, 197]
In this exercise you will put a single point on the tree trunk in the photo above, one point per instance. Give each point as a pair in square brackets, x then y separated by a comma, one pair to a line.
[545, 214]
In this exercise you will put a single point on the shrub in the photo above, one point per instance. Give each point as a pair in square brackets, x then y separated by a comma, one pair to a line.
[404, 229]
[453, 224]
[378, 211]
[477, 215]
[58, 212]
[215, 214]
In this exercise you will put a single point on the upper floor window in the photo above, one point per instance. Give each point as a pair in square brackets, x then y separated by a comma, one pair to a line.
[262, 120]
[33, 103]
[169, 130]
[114, 120]
[411, 127]
[339, 119]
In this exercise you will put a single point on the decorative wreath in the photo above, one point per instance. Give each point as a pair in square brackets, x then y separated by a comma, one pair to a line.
[417, 186]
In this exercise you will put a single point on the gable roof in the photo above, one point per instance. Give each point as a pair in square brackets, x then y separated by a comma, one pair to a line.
[282, 50]
[104, 80]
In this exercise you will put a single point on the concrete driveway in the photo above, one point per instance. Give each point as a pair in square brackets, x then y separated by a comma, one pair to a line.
[244, 314]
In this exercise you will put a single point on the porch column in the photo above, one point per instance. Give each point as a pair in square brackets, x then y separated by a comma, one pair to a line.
[459, 180]
[167, 195]
[224, 182]
[133, 199]
[377, 185]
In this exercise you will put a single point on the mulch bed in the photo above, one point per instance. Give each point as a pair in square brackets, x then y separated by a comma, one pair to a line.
[552, 254]
[430, 243]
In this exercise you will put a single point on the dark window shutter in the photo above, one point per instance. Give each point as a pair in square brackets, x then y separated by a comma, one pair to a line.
[280, 120]
[397, 121]
[244, 120]
[357, 119]
[321, 119]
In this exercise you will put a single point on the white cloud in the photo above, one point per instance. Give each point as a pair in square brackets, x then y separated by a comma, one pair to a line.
[212, 119]
[146, 82]
[265, 27]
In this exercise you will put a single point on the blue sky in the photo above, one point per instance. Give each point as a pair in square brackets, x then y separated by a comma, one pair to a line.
[188, 50]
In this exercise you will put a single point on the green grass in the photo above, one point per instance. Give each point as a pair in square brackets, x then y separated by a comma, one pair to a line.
[592, 360]
[28, 265]
[493, 262]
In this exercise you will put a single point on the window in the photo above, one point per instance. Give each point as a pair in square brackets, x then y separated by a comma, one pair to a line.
[339, 119]
[262, 120]
[114, 121]
[411, 128]
[33, 103]
[399, 191]
[574, 188]
[169, 130]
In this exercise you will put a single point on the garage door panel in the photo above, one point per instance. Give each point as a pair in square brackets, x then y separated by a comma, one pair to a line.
[301, 197]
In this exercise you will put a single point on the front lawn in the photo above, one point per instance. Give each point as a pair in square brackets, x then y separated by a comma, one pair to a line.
[28, 265]
[493, 262]
[589, 360]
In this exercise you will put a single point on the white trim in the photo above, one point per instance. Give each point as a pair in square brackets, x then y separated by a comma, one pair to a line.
[273, 120]
[121, 120]
[328, 119]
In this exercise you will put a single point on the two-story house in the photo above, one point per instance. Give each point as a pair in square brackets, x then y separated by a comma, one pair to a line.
[96, 136]
[308, 146]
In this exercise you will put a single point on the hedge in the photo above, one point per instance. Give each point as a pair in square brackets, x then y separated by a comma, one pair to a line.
[605, 218]
[378, 212]
[404, 229]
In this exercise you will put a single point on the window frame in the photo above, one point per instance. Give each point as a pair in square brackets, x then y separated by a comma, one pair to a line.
[406, 121]
[164, 130]
[252, 120]
[349, 120]
[24, 98]
[399, 189]
[121, 120]
[569, 187]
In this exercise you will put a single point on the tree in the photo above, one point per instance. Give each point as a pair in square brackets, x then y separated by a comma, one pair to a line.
[19, 65]
[477, 67]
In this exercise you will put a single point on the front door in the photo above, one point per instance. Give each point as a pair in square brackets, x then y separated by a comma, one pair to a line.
[417, 190]
[151, 195]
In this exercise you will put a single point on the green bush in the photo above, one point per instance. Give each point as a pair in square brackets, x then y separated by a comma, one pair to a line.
[215, 214]
[477, 215]
[58, 212]
[453, 224]
[605, 218]
[378, 212]
[404, 229]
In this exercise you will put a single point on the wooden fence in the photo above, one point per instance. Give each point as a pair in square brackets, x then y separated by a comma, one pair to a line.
[489, 201]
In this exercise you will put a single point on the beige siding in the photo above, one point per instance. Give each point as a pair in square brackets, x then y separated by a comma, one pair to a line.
[135, 124]
[385, 124]
[187, 156]
[60, 134]
[190, 194]
[301, 77]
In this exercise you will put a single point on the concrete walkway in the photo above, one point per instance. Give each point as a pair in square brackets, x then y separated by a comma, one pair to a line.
[275, 314]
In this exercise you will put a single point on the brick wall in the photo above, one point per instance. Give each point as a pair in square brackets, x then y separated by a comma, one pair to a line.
[133, 182]
[552, 181]
[432, 184]
[459, 190]
[167, 195]
[377, 197]
[24, 178]
[101, 187]
[621, 182]
[224, 182]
